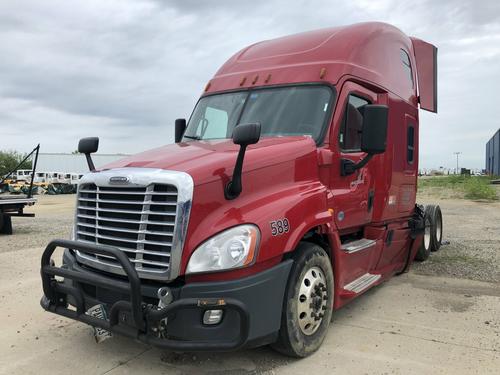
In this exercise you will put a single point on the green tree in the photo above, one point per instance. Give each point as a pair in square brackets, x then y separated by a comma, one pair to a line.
[10, 159]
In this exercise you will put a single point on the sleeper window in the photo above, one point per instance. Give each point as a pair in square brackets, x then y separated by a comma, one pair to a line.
[407, 66]
[352, 124]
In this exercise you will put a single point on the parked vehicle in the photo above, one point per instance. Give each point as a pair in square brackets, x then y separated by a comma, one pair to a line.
[41, 178]
[22, 175]
[64, 178]
[57, 178]
[289, 192]
[22, 193]
[53, 177]
[75, 177]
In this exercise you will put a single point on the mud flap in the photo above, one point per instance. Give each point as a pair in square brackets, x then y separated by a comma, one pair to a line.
[417, 227]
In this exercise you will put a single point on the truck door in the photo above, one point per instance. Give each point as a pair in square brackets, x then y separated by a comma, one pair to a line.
[352, 194]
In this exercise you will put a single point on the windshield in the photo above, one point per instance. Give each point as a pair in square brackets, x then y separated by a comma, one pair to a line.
[283, 111]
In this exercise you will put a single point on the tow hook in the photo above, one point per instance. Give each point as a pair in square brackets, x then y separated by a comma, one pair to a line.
[164, 296]
[164, 299]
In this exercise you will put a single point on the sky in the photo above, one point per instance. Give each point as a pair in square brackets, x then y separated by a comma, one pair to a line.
[124, 70]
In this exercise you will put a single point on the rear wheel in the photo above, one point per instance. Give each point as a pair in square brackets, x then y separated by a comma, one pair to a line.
[308, 303]
[437, 226]
[425, 247]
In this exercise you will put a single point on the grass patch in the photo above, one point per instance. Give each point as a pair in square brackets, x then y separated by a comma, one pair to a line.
[476, 188]
[469, 187]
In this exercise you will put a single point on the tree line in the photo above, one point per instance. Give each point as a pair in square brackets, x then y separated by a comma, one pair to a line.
[10, 159]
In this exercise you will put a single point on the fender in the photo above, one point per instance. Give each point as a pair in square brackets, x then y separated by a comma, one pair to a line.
[319, 219]
[302, 205]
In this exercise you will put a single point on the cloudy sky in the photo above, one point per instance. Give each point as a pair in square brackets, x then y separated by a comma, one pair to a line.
[124, 70]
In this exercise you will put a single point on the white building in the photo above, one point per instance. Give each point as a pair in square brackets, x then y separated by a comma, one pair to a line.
[72, 163]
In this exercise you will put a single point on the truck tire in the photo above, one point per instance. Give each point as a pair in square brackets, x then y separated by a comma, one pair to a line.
[308, 302]
[434, 213]
[425, 247]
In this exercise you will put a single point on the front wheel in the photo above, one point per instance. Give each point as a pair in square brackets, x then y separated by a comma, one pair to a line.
[308, 303]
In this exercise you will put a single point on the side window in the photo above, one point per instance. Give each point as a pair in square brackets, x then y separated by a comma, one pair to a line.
[352, 124]
[410, 144]
[407, 66]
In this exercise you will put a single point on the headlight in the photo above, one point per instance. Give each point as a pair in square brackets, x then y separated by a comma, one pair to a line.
[233, 248]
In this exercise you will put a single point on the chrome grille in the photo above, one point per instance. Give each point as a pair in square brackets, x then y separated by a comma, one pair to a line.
[139, 220]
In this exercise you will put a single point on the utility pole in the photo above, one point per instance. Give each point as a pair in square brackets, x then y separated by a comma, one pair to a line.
[457, 153]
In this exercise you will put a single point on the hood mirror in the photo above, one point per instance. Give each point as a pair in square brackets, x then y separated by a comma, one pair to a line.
[88, 146]
[180, 128]
[246, 134]
[243, 135]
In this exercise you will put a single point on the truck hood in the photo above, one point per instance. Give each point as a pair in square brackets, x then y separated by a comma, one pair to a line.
[207, 161]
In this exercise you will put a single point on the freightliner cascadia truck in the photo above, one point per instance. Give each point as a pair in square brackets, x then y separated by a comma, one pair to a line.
[289, 192]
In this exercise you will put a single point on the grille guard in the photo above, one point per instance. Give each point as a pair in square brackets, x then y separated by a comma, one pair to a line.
[145, 317]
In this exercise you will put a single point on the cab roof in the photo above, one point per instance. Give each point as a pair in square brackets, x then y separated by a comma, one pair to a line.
[371, 51]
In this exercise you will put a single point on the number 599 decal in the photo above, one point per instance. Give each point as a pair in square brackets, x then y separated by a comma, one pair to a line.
[280, 226]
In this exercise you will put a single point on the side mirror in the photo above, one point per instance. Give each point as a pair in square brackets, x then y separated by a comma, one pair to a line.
[88, 146]
[246, 134]
[374, 136]
[243, 135]
[180, 128]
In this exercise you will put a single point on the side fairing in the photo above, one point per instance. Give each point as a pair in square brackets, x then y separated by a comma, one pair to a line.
[426, 59]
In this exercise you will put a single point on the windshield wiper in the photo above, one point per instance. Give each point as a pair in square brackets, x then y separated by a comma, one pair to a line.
[195, 137]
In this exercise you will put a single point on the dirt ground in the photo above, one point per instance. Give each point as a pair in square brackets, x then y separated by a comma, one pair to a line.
[471, 231]
[441, 318]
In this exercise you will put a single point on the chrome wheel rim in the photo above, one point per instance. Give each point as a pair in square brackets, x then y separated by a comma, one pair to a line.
[312, 300]
[439, 227]
[427, 235]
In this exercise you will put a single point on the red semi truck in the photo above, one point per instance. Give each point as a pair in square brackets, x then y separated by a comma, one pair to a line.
[289, 192]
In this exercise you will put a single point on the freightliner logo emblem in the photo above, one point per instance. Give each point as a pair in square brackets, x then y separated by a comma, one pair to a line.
[119, 180]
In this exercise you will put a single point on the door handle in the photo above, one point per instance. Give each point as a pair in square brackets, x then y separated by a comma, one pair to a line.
[371, 195]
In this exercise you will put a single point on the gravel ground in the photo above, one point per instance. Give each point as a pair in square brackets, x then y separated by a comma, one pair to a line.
[54, 219]
[473, 232]
[451, 323]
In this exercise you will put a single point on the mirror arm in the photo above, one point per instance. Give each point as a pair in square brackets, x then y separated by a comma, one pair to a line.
[233, 187]
[348, 167]
[90, 162]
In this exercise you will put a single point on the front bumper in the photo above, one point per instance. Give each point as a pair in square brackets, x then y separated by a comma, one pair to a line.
[251, 305]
